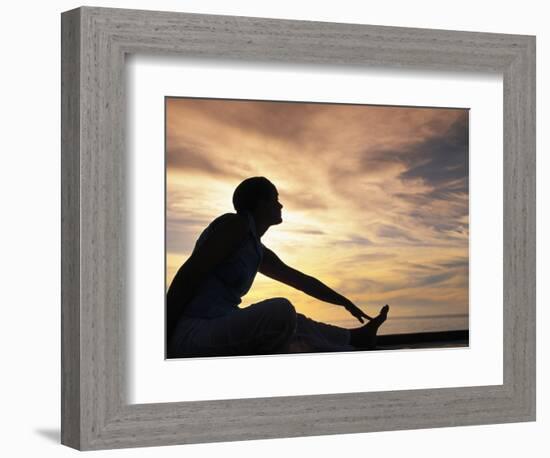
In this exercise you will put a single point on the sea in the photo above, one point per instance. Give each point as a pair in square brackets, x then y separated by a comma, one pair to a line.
[414, 324]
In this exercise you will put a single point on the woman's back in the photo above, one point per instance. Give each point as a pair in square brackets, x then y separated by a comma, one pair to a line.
[219, 290]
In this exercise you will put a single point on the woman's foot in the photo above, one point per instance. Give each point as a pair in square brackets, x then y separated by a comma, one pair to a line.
[364, 338]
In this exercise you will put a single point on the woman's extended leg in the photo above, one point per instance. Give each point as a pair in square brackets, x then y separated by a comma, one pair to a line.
[364, 338]
[315, 336]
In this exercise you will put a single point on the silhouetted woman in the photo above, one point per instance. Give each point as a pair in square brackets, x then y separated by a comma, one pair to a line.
[203, 317]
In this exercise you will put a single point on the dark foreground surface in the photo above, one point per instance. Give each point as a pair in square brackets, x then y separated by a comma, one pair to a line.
[443, 339]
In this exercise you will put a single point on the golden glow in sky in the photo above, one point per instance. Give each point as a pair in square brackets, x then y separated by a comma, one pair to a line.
[375, 198]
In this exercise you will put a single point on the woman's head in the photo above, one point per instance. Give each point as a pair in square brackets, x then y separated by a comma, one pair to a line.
[258, 196]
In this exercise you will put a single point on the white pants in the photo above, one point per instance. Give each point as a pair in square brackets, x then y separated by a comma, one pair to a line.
[267, 327]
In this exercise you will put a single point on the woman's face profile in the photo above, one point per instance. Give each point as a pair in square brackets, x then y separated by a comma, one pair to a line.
[271, 208]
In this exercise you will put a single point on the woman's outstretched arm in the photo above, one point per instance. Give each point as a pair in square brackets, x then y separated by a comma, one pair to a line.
[276, 269]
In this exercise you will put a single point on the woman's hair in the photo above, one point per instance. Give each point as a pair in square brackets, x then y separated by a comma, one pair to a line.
[250, 191]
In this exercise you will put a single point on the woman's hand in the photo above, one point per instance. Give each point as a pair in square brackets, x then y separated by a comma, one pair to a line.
[356, 312]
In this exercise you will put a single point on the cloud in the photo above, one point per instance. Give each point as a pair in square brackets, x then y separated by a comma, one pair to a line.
[353, 240]
[310, 231]
[459, 263]
[195, 159]
[273, 118]
[441, 161]
[395, 233]
[302, 200]
[429, 280]
[362, 285]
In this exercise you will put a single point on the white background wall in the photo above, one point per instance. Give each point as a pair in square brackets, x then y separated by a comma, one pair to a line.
[30, 228]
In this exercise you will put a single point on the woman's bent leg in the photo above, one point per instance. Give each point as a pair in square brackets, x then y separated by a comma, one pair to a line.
[262, 328]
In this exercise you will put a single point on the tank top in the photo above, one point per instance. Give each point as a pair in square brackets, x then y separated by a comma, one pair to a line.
[221, 290]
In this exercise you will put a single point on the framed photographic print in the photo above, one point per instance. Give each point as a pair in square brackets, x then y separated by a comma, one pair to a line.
[243, 196]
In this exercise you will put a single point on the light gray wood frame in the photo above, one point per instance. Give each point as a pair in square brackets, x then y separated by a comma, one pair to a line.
[95, 412]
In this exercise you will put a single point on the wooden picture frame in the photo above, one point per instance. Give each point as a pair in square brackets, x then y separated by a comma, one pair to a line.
[95, 411]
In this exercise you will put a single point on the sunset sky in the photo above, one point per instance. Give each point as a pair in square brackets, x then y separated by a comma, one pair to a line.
[375, 199]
